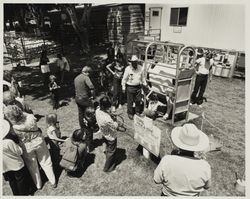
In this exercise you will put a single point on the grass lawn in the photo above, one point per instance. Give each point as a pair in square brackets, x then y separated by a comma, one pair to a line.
[134, 177]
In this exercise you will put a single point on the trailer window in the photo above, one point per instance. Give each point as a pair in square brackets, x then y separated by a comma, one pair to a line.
[178, 16]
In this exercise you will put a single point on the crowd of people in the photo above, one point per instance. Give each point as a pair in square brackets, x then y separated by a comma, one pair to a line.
[25, 148]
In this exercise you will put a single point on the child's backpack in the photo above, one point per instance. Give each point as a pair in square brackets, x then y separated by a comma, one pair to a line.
[70, 158]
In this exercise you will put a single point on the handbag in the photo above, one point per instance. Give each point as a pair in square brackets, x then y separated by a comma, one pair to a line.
[69, 160]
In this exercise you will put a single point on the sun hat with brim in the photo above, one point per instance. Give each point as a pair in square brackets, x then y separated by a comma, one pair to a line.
[5, 128]
[134, 58]
[190, 138]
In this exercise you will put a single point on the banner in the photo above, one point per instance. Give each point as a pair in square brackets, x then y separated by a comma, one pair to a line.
[146, 134]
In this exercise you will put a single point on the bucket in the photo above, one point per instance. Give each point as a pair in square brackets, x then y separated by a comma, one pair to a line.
[218, 70]
[225, 71]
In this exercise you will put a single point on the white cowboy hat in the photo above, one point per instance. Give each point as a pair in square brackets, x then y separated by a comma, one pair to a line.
[134, 58]
[190, 138]
[5, 128]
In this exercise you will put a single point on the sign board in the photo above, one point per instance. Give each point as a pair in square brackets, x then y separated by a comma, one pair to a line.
[177, 29]
[146, 134]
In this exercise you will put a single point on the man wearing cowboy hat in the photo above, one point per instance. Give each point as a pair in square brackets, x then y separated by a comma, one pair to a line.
[132, 80]
[183, 174]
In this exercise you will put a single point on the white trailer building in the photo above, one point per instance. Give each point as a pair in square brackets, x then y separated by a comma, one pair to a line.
[219, 26]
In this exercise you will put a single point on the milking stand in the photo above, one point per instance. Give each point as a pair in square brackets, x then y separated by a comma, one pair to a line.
[169, 72]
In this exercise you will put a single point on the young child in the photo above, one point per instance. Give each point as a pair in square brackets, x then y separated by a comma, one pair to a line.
[117, 72]
[54, 135]
[75, 142]
[54, 90]
[108, 128]
[90, 126]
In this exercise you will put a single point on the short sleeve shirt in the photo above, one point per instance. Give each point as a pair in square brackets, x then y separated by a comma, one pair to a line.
[83, 85]
[182, 176]
[63, 64]
[202, 66]
[12, 160]
[51, 130]
[106, 124]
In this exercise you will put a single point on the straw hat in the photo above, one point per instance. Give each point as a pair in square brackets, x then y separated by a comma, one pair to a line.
[134, 58]
[6, 128]
[190, 138]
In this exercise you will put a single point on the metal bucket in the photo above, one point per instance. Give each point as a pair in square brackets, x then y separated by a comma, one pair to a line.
[218, 70]
[225, 71]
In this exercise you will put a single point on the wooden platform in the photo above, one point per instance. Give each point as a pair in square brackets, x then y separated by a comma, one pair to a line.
[191, 116]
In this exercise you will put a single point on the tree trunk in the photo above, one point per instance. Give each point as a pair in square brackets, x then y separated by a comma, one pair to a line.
[81, 27]
[22, 19]
[38, 15]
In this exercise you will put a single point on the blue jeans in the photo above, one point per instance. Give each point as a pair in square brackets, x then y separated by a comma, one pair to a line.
[82, 104]
[110, 154]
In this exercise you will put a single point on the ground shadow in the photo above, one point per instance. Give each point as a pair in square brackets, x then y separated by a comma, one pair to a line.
[31, 184]
[97, 143]
[120, 155]
[32, 79]
[90, 159]
[43, 176]
[154, 158]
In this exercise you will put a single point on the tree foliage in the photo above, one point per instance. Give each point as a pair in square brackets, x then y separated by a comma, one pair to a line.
[80, 18]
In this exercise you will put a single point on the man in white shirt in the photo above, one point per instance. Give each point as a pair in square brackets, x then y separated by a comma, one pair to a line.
[132, 81]
[203, 70]
[108, 127]
[183, 174]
